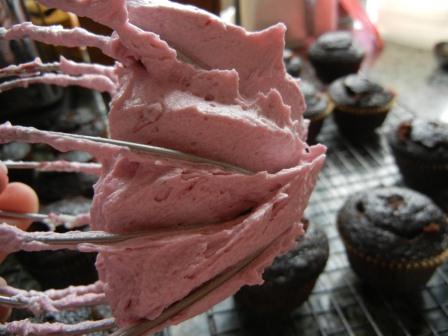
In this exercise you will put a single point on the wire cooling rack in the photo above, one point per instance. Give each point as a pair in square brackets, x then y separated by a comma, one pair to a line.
[340, 304]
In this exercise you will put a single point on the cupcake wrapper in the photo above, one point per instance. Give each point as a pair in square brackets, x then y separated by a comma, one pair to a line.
[275, 301]
[427, 263]
[317, 123]
[364, 110]
[421, 165]
[360, 122]
[327, 112]
[419, 173]
[329, 70]
[397, 276]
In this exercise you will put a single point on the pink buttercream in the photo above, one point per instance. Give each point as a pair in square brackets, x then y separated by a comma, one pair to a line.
[231, 101]
[76, 37]
[69, 166]
[73, 68]
[95, 82]
[26, 327]
[54, 300]
[209, 42]
[192, 259]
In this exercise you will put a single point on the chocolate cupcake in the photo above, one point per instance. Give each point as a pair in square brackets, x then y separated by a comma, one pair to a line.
[294, 66]
[62, 268]
[54, 186]
[420, 148]
[334, 55]
[318, 107]
[395, 238]
[360, 105]
[441, 53]
[18, 151]
[289, 280]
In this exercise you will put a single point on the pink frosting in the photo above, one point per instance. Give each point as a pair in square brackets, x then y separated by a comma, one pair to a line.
[73, 68]
[58, 299]
[56, 35]
[174, 195]
[26, 327]
[188, 81]
[209, 42]
[214, 123]
[175, 266]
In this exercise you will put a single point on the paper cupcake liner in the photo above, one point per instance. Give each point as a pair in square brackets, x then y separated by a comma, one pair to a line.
[274, 301]
[419, 164]
[328, 70]
[420, 174]
[427, 263]
[326, 113]
[364, 110]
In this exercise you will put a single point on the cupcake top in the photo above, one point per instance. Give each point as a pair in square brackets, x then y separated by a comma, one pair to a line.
[316, 102]
[336, 46]
[303, 262]
[294, 66]
[421, 137]
[393, 223]
[293, 62]
[356, 90]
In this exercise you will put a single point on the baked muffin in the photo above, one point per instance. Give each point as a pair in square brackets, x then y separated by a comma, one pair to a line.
[293, 62]
[335, 54]
[318, 107]
[54, 186]
[395, 238]
[289, 280]
[360, 105]
[18, 151]
[62, 268]
[441, 52]
[420, 148]
[294, 66]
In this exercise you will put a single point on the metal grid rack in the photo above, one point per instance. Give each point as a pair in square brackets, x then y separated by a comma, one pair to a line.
[340, 304]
